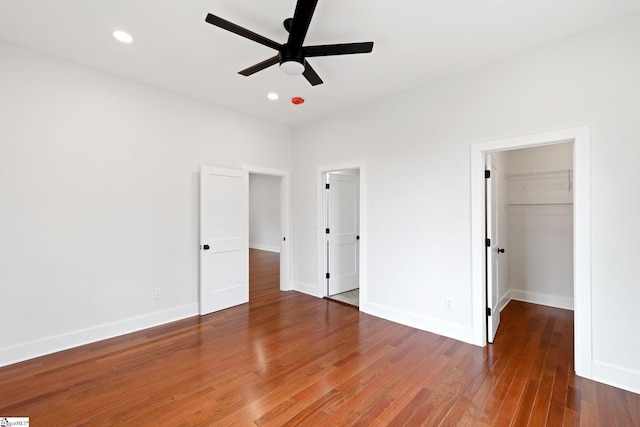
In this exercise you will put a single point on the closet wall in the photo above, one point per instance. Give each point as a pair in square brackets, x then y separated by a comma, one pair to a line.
[540, 215]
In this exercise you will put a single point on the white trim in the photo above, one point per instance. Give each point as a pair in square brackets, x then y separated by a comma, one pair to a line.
[618, 377]
[506, 299]
[413, 320]
[45, 346]
[267, 248]
[320, 290]
[306, 288]
[581, 137]
[543, 299]
[285, 221]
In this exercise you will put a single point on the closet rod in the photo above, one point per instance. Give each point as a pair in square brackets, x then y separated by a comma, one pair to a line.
[540, 204]
[560, 172]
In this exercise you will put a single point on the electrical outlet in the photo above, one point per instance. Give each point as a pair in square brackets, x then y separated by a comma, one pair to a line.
[448, 303]
[157, 293]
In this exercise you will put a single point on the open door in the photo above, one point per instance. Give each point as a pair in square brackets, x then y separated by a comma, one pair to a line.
[224, 238]
[492, 249]
[343, 198]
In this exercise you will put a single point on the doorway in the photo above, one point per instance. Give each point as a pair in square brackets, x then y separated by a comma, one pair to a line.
[265, 230]
[580, 137]
[224, 236]
[268, 216]
[340, 233]
[529, 220]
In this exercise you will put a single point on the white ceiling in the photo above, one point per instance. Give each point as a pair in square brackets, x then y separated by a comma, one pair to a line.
[416, 42]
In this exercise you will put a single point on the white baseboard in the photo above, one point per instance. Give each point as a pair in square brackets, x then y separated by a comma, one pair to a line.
[306, 288]
[33, 349]
[506, 298]
[542, 299]
[264, 247]
[424, 323]
[616, 376]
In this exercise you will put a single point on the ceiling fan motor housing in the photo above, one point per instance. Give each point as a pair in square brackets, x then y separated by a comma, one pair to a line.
[291, 60]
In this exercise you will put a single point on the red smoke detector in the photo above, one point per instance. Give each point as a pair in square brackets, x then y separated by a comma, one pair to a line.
[296, 100]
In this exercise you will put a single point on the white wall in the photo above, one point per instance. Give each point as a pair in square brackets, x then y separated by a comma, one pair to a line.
[416, 147]
[264, 212]
[541, 236]
[99, 200]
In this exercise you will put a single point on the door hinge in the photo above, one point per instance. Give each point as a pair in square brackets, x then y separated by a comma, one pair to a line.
[487, 174]
[326, 230]
[487, 242]
[326, 186]
[327, 276]
[488, 311]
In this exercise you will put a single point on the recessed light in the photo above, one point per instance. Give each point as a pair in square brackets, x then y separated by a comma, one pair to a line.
[122, 36]
[272, 96]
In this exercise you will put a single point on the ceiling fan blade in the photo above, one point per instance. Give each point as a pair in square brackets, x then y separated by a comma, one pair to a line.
[230, 26]
[337, 49]
[301, 20]
[260, 66]
[311, 75]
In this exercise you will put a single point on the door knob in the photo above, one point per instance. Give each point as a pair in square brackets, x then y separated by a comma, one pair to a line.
[206, 247]
[500, 250]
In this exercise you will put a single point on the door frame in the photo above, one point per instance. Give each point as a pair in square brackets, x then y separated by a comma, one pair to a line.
[285, 222]
[581, 138]
[321, 288]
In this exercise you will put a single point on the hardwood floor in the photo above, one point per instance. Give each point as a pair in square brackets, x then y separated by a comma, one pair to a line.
[290, 359]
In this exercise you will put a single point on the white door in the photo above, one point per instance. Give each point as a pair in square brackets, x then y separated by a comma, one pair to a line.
[493, 256]
[343, 198]
[224, 238]
[502, 225]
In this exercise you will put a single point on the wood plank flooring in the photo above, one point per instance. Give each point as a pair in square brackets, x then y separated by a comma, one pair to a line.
[292, 359]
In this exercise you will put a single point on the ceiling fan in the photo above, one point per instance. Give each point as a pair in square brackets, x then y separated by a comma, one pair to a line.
[292, 54]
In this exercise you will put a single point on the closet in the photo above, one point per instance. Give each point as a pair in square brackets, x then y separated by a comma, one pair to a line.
[539, 211]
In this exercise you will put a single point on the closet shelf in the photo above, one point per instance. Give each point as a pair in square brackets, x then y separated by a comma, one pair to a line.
[540, 204]
[562, 173]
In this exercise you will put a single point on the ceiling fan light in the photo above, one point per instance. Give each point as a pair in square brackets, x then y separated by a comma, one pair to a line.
[292, 68]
